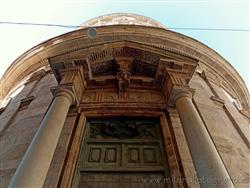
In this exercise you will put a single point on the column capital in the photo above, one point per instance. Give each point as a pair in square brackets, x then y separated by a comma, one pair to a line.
[66, 91]
[176, 86]
[70, 78]
[178, 92]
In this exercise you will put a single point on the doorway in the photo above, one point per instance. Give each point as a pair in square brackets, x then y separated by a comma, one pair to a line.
[122, 152]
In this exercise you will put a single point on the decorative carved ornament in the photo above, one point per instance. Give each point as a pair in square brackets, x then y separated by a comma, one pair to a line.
[144, 96]
[176, 86]
[123, 78]
[123, 129]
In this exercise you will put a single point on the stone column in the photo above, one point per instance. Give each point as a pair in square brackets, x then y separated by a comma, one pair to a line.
[34, 166]
[208, 164]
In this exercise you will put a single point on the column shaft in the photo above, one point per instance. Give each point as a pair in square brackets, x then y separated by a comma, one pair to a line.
[209, 166]
[34, 166]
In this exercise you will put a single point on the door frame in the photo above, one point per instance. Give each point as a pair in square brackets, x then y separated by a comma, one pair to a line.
[168, 141]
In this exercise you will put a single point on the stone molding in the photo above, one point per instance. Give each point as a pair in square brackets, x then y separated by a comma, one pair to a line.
[246, 112]
[36, 76]
[25, 102]
[218, 100]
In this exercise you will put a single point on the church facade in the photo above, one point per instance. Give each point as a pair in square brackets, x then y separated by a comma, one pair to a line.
[123, 102]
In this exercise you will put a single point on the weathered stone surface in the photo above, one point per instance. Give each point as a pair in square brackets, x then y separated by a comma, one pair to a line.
[22, 127]
[227, 139]
[185, 156]
[60, 154]
[12, 108]
[240, 119]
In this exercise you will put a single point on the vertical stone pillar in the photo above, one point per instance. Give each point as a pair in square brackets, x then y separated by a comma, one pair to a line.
[35, 164]
[208, 164]
[171, 154]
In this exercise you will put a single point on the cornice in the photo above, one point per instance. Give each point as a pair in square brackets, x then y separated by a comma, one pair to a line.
[157, 38]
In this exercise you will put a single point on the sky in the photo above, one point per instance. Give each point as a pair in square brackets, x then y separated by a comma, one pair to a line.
[234, 46]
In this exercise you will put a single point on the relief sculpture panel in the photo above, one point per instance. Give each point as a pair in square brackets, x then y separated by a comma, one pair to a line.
[113, 96]
[122, 130]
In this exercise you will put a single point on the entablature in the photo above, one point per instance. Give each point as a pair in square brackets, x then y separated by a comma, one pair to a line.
[136, 99]
[125, 65]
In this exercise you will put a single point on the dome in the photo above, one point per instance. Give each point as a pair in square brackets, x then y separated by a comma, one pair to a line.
[122, 19]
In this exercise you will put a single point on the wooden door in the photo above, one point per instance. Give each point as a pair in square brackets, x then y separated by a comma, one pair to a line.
[122, 152]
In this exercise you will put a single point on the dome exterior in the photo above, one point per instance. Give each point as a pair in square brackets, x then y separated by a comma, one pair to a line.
[122, 19]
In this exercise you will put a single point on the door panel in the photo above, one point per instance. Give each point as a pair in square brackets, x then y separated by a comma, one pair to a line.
[101, 155]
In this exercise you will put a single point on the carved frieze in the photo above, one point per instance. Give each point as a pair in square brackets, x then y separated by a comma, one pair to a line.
[115, 52]
[110, 96]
